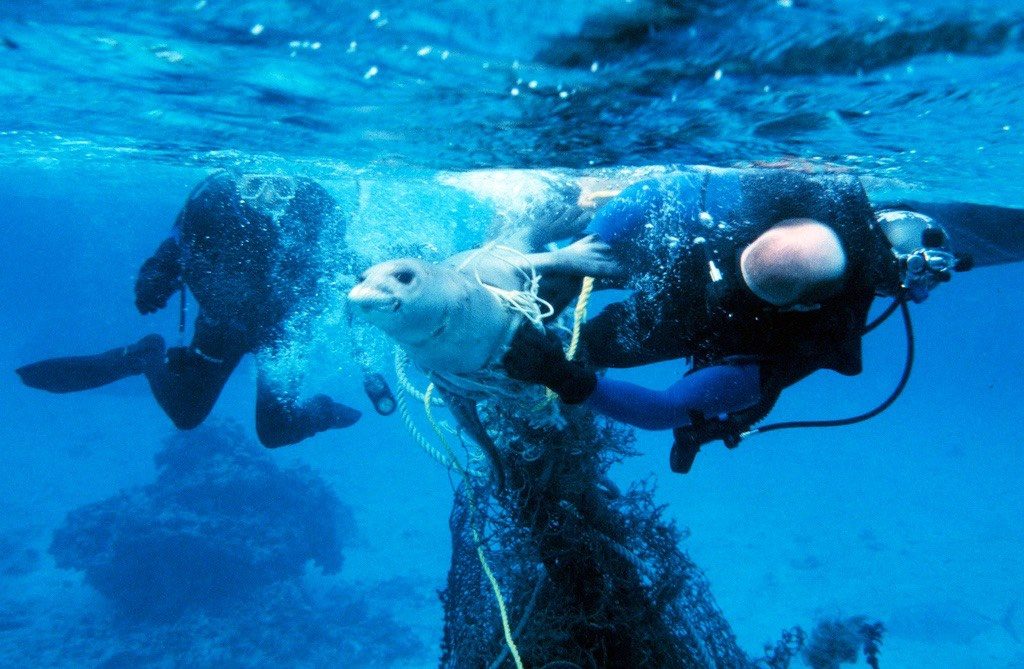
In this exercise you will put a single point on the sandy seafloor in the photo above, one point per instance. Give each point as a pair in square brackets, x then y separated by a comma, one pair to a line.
[914, 518]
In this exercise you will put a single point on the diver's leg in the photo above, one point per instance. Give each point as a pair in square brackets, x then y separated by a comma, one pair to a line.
[83, 372]
[187, 386]
[711, 391]
[282, 420]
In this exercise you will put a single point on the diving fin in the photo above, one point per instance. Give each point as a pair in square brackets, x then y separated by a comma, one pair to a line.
[84, 372]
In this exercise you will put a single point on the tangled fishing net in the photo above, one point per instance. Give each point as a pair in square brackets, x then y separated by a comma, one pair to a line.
[591, 576]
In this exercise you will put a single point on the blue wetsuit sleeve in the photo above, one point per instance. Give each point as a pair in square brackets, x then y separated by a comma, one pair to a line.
[623, 218]
[711, 391]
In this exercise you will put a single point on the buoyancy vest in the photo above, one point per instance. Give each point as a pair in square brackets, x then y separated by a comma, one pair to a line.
[686, 264]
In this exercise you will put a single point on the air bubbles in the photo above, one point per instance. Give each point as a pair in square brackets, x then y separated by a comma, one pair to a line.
[257, 30]
[514, 92]
[168, 55]
[295, 45]
[594, 66]
[351, 47]
[371, 73]
[424, 51]
[374, 15]
[717, 76]
[532, 84]
[563, 94]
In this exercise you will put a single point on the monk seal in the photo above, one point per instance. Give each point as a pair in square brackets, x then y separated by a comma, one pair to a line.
[456, 316]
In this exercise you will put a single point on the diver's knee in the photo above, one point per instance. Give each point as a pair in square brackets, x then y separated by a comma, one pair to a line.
[190, 422]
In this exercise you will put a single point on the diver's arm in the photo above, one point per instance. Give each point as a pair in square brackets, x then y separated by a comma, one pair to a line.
[159, 277]
[537, 357]
[585, 257]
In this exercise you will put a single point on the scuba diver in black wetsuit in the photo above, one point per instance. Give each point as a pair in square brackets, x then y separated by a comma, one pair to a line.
[245, 245]
[760, 277]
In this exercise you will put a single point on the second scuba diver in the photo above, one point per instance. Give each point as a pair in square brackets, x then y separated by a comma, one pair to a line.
[246, 246]
[760, 277]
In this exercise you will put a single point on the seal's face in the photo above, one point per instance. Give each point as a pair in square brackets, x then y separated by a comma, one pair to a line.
[407, 299]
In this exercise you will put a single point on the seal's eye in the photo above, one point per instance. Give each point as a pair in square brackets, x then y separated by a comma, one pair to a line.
[405, 276]
[361, 278]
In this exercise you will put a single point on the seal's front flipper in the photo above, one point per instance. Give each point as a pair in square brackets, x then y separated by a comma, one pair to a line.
[376, 388]
[84, 372]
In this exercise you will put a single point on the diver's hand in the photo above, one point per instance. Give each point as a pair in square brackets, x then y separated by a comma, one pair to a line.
[588, 257]
[536, 356]
[159, 278]
[152, 289]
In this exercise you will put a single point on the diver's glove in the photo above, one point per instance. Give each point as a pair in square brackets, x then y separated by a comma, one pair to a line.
[536, 356]
[159, 278]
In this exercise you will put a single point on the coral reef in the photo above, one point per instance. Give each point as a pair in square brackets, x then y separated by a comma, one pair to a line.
[209, 566]
[839, 640]
[220, 521]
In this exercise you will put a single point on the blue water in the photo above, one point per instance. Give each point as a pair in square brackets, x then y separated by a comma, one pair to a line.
[110, 112]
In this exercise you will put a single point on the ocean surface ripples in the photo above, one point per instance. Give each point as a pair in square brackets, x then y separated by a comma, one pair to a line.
[926, 94]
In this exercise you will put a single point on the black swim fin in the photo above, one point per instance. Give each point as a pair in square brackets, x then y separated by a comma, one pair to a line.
[83, 372]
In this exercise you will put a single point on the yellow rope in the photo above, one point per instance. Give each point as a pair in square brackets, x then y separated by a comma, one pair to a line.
[579, 315]
[502, 610]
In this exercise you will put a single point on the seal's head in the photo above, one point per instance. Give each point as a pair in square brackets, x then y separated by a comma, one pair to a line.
[408, 299]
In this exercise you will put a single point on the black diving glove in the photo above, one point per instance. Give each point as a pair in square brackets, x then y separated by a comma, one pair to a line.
[159, 278]
[536, 356]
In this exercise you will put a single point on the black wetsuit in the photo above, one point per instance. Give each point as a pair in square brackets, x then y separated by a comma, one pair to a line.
[246, 246]
[681, 238]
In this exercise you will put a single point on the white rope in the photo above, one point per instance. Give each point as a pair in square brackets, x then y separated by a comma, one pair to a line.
[401, 362]
[527, 301]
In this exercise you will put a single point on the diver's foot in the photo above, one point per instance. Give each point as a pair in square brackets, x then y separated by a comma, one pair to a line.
[344, 416]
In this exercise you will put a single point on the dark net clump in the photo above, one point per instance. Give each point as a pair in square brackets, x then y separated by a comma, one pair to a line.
[591, 576]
